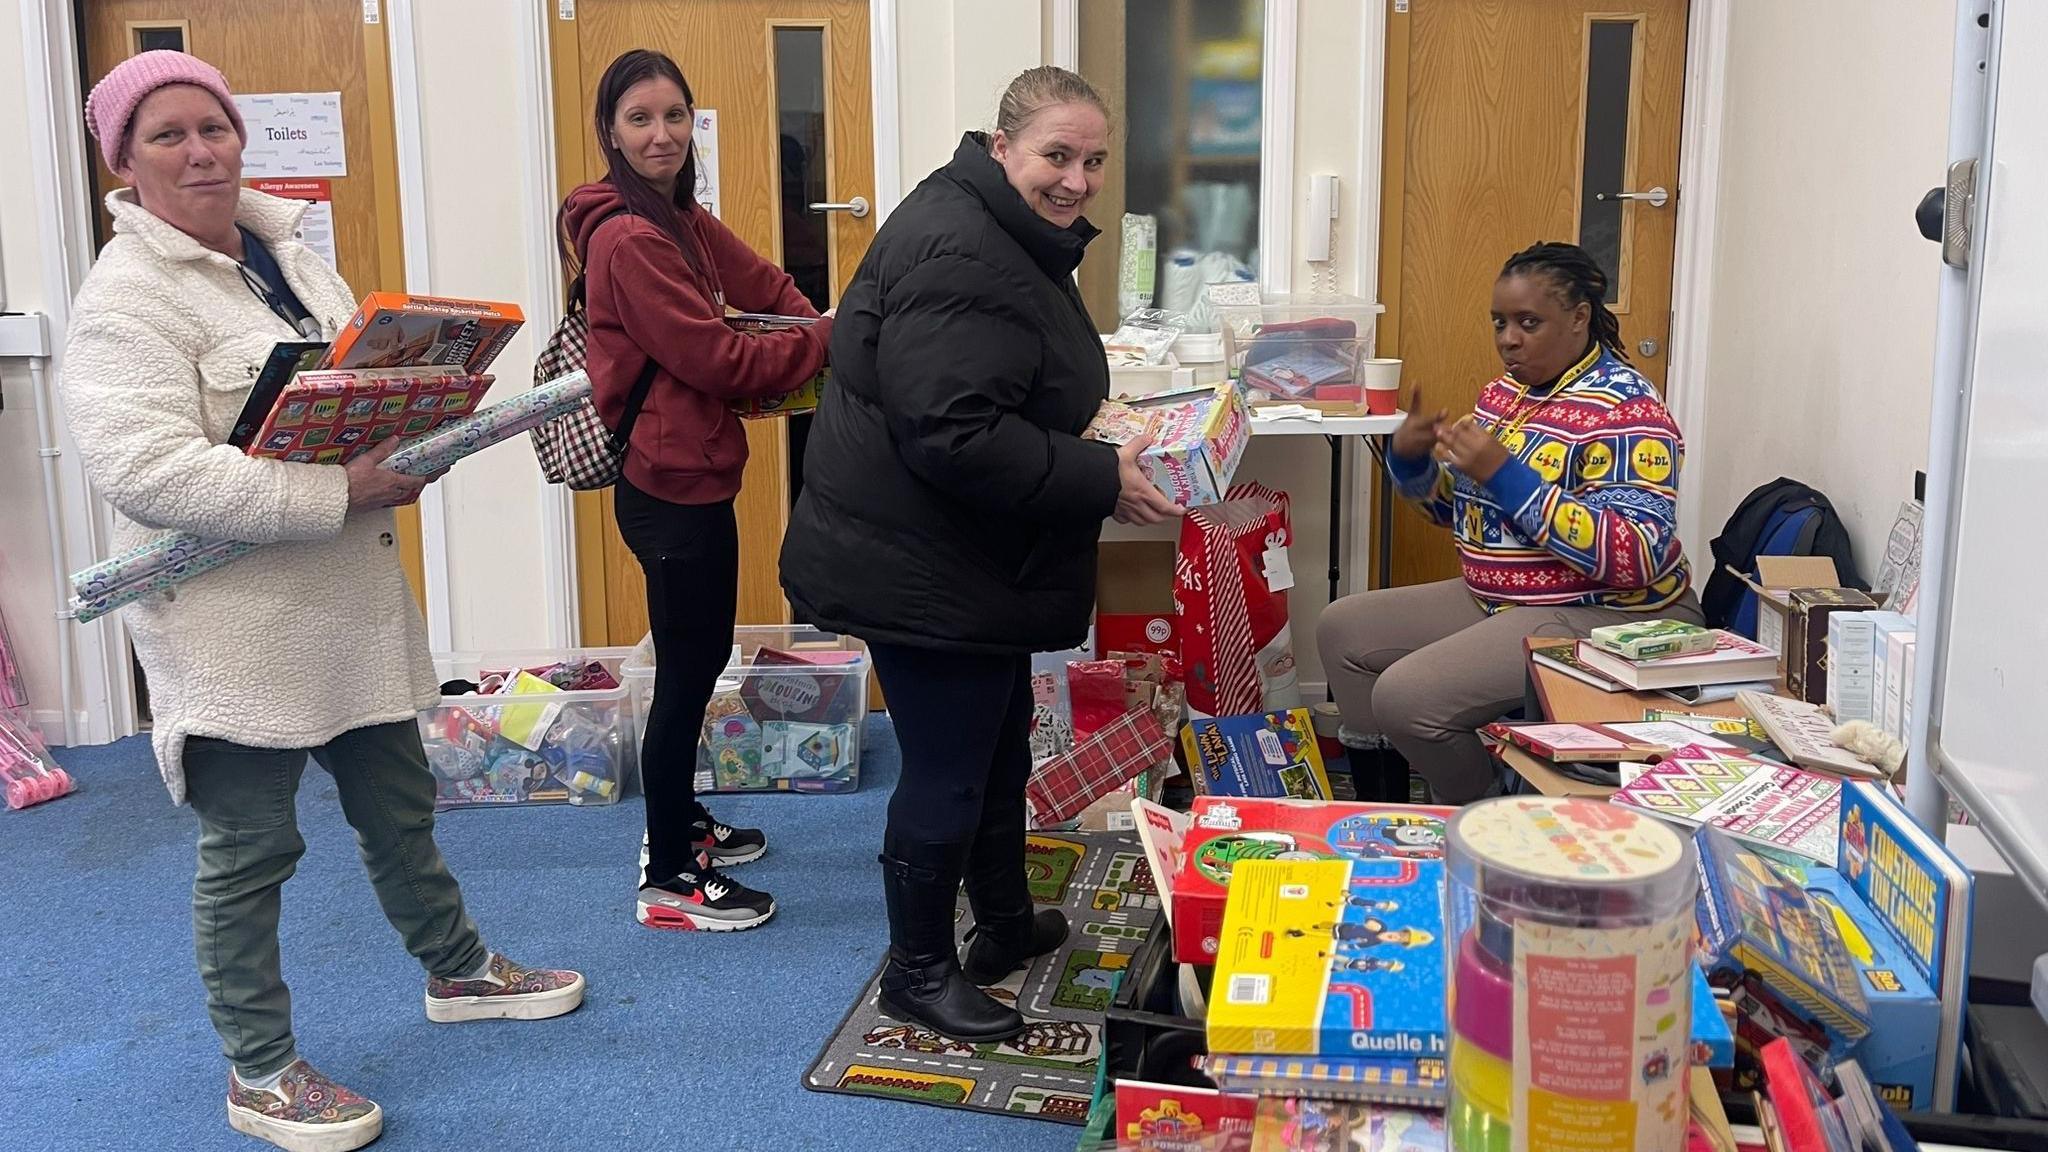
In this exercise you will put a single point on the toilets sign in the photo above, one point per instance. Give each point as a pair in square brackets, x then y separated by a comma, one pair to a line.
[293, 134]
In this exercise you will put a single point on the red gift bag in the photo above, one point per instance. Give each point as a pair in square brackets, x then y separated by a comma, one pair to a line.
[1230, 586]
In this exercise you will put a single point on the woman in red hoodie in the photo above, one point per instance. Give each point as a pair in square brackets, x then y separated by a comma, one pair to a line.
[659, 275]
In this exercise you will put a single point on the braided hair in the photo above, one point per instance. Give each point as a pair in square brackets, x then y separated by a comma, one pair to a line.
[1578, 279]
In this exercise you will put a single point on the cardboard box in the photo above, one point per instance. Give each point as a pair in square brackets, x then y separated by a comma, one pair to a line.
[1776, 577]
[1134, 609]
[1198, 438]
[1806, 637]
[804, 399]
[1198, 849]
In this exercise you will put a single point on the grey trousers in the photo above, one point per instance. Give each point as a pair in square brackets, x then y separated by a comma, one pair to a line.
[249, 845]
[1425, 667]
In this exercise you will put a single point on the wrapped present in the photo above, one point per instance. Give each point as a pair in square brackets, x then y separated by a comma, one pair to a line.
[1097, 766]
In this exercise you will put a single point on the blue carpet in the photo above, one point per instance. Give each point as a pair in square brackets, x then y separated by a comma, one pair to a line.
[686, 1040]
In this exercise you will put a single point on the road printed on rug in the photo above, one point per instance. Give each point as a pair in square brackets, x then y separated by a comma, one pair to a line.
[1102, 884]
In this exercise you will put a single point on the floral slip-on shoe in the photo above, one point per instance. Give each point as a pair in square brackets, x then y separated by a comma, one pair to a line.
[507, 991]
[306, 1112]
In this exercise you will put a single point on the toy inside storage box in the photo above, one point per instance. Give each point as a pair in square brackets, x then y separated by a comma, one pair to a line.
[786, 715]
[1199, 849]
[546, 727]
[1301, 349]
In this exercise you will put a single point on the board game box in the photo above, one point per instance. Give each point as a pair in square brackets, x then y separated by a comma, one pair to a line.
[1165, 1116]
[1915, 886]
[1198, 438]
[1779, 953]
[1905, 1015]
[1261, 754]
[1332, 957]
[804, 399]
[400, 330]
[328, 417]
[1199, 849]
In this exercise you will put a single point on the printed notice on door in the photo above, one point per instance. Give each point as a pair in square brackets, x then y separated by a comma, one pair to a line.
[704, 136]
[293, 134]
[316, 228]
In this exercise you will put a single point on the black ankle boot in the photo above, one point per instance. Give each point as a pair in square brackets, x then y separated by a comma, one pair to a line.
[1007, 932]
[922, 982]
[993, 952]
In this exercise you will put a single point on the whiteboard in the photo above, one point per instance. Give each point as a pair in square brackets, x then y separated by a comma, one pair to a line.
[1986, 721]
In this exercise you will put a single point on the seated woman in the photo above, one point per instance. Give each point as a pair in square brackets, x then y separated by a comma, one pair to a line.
[1561, 487]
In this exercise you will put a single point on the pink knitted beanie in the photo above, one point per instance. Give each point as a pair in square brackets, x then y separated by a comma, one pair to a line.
[114, 100]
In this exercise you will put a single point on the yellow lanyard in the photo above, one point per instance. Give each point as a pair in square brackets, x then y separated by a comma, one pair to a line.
[1519, 415]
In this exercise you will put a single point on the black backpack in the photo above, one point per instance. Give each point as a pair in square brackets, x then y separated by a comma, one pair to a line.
[1782, 518]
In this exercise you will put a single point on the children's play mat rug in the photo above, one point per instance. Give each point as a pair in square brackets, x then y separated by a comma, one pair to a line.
[1100, 880]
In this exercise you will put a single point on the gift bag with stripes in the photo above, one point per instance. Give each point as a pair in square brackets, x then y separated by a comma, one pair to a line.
[1230, 591]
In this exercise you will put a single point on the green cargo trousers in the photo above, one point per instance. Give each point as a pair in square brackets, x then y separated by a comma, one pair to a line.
[249, 845]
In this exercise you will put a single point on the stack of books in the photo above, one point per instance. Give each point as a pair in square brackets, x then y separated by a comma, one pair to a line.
[1684, 661]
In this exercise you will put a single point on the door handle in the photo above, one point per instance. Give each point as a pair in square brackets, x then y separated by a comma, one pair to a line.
[1656, 197]
[856, 207]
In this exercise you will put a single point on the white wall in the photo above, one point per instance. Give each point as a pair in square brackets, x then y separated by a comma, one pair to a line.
[480, 207]
[28, 599]
[1822, 317]
[954, 59]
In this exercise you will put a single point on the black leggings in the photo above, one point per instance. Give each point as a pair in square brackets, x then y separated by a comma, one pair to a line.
[964, 724]
[690, 554]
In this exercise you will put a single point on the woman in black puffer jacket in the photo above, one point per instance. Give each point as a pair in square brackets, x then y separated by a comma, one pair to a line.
[949, 515]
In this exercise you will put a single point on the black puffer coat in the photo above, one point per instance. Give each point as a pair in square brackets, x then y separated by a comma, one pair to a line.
[948, 501]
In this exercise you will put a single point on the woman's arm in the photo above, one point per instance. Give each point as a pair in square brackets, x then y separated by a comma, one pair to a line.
[1618, 521]
[1426, 484]
[751, 282]
[956, 360]
[133, 401]
[661, 305]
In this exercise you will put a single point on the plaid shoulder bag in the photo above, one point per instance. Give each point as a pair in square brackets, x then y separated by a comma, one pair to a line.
[577, 449]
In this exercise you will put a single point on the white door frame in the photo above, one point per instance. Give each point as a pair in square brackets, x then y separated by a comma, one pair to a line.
[59, 161]
[1692, 279]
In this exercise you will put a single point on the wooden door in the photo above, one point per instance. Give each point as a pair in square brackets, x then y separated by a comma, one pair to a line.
[789, 81]
[288, 46]
[1504, 122]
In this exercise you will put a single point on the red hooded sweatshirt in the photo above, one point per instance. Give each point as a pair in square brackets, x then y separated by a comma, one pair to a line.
[646, 302]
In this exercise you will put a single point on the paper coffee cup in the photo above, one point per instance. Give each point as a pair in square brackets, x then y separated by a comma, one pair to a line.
[1382, 386]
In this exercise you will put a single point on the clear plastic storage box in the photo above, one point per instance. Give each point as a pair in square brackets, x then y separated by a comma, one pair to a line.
[787, 713]
[1301, 349]
[532, 744]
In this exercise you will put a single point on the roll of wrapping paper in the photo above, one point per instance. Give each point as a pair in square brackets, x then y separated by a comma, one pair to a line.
[173, 560]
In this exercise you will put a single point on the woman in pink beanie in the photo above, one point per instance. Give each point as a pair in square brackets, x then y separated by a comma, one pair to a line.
[311, 646]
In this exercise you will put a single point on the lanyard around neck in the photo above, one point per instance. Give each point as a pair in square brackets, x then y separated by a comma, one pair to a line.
[298, 318]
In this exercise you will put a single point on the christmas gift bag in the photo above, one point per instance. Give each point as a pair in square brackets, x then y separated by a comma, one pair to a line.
[1230, 591]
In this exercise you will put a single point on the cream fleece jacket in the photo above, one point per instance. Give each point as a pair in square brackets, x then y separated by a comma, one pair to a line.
[294, 643]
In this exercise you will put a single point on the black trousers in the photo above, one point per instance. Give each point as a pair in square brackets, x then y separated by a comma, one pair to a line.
[963, 722]
[690, 554]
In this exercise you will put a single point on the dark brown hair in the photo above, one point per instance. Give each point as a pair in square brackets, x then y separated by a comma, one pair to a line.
[642, 198]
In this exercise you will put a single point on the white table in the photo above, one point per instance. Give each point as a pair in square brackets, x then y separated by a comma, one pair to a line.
[1337, 430]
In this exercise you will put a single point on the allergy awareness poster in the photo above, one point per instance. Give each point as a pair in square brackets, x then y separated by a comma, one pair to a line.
[316, 229]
